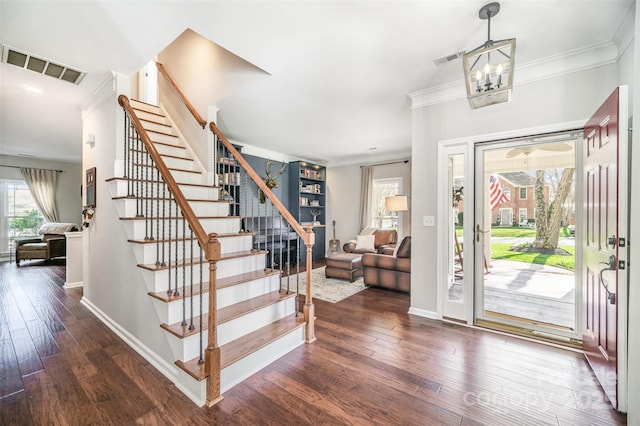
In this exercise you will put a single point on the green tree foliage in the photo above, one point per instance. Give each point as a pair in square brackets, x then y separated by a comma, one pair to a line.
[26, 225]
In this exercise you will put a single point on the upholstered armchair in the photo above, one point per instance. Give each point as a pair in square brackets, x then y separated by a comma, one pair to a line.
[51, 244]
[389, 270]
[378, 241]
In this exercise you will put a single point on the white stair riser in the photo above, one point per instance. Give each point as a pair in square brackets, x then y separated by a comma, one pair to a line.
[150, 116]
[147, 253]
[189, 347]
[129, 207]
[160, 128]
[164, 138]
[237, 293]
[120, 188]
[179, 163]
[252, 363]
[171, 313]
[171, 150]
[136, 228]
[200, 192]
[186, 177]
[249, 322]
[157, 281]
[173, 310]
[145, 107]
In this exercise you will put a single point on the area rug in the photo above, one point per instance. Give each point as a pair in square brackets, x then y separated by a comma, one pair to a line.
[329, 289]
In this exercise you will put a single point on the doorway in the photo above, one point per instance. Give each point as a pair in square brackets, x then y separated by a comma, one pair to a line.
[493, 277]
[525, 198]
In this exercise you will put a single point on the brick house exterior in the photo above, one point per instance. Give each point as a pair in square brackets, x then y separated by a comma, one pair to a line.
[520, 189]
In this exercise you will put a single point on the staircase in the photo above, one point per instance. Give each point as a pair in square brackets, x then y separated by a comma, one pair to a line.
[243, 321]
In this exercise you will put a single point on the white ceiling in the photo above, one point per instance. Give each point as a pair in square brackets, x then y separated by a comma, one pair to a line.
[339, 72]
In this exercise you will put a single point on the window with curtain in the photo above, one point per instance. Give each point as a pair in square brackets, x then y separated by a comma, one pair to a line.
[19, 214]
[381, 189]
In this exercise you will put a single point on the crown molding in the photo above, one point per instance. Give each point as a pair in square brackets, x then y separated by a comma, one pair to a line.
[552, 66]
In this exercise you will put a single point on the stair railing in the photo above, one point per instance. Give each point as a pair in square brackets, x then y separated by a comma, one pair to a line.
[201, 121]
[261, 209]
[161, 202]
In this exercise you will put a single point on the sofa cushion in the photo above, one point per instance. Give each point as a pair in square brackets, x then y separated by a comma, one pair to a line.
[381, 261]
[404, 250]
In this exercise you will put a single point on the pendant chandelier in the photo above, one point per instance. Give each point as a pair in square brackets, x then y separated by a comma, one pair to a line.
[488, 69]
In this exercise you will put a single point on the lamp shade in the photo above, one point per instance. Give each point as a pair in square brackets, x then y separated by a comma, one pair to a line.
[397, 204]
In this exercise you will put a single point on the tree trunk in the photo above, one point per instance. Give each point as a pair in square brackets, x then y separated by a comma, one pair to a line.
[541, 211]
[555, 209]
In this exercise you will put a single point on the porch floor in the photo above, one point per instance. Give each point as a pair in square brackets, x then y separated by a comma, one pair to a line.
[538, 293]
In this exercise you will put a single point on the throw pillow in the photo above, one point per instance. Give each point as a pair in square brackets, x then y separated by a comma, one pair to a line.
[365, 244]
[369, 230]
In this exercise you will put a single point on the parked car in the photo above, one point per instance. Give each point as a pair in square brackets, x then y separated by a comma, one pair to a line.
[572, 230]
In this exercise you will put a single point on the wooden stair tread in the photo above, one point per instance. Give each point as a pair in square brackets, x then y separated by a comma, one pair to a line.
[228, 313]
[245, 345]
[195, 261]
[173, 169]
[235, 234]
[146, 120]
[195, 200]
[173, 217]
[178, 157]
[166, 297]
[126, 179]
[158, 132]
[222, 283]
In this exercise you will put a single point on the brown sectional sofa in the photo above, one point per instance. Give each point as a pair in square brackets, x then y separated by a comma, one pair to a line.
[389, 271]
[385, 241]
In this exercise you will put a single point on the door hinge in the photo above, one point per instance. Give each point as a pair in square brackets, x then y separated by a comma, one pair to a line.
[621, 264]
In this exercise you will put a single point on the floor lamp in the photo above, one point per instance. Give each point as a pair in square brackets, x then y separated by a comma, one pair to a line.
[398, 203]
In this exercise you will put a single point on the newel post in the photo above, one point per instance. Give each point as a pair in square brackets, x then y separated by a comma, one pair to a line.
[212, 353]
[309, 310]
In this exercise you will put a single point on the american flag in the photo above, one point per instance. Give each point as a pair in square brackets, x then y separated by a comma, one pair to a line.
[495, 192]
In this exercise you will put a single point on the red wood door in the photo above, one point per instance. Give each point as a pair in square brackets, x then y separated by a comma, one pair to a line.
[602, 241]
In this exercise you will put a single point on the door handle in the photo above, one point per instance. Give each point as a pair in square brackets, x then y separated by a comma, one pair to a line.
[478, 231]
[611, 266]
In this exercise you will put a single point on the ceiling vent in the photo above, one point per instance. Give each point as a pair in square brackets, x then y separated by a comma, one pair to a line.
[41, 66]
[449, 58]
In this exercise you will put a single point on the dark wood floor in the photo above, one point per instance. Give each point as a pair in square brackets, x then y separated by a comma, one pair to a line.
[372, 364]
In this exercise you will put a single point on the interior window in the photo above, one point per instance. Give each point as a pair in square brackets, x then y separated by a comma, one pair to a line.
[19, 215]
[383, 188]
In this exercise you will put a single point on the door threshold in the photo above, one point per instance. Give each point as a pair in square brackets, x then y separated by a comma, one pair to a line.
[535, 335]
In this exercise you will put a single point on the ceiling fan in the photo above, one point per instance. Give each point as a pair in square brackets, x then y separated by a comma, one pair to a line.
[526, 150]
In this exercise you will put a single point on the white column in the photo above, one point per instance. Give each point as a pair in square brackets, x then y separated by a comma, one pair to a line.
[74, 260]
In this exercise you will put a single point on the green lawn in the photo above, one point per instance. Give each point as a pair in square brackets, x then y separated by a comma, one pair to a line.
[501, 251]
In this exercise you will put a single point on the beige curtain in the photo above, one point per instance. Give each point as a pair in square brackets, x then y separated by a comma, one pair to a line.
[365, 196]
[42, 185]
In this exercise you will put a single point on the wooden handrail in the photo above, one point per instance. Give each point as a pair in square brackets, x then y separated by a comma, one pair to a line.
[187, 211]
[201, 121]
[304, 234]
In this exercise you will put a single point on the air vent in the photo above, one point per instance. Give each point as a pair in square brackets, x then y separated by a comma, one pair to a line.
[41, 66]
[449, 58]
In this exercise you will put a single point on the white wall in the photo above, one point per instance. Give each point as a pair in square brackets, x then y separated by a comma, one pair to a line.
[113, 283]
[633, 414]
[68, 199]
[557, 100]
[343, 197]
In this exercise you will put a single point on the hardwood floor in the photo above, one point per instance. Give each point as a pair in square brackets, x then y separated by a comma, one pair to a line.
[372, 364]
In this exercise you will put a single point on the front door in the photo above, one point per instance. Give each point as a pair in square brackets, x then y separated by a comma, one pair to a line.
[604, 245]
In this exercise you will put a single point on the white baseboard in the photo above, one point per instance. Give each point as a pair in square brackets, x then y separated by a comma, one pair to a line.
[167, 369]
[424, 313]
[73, 285]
